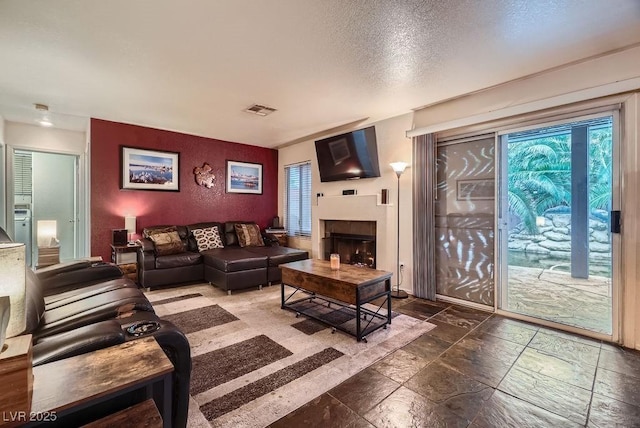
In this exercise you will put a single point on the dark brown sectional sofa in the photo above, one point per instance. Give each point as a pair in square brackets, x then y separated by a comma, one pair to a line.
[230, 268]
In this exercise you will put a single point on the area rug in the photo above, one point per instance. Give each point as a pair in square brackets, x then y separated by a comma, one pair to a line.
[254, 363]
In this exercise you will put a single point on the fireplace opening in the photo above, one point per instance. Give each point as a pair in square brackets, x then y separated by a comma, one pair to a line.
[359, 250]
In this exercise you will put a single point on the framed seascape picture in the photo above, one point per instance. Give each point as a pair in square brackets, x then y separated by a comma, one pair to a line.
[244, 177]
[149, 170]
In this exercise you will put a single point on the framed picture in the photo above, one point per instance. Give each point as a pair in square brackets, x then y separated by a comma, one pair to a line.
[149, 170]
[244, 177]
[479, 189]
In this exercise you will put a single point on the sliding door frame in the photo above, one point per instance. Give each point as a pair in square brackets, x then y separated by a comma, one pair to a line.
[616, 240]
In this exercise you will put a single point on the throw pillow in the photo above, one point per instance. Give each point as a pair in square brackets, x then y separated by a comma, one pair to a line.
[249, 235]
[208, 238]
[147, 232]
[167, 243]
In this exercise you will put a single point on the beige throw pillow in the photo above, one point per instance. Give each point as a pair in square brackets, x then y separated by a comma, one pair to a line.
[208, 238]
[147, 232]
[249, 235]
[167, 243]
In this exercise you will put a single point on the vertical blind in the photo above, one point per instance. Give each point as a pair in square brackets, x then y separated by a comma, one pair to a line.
[298, 199]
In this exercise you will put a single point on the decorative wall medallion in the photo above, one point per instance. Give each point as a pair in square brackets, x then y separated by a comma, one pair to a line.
[204, 176]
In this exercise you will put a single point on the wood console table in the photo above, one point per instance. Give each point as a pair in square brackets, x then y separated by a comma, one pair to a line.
[73, 384]
[347, 289]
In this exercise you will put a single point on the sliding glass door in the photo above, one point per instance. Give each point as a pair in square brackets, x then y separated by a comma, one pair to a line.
[465, 220]
[558, 189]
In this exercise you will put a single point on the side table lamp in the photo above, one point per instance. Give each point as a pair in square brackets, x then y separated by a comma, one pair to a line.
[16, 387]
[130, 225]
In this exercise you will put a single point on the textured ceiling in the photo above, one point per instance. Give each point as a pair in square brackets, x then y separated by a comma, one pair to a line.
[194, 65]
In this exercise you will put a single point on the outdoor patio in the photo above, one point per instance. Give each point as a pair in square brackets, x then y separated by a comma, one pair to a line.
[556, 296]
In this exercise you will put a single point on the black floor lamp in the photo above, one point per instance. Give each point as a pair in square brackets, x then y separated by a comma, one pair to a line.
[399, 168]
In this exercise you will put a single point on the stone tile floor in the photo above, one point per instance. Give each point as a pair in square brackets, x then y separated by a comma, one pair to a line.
[481, 370]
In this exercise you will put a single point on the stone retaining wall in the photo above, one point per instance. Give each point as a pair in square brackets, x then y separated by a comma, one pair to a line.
[554, 238]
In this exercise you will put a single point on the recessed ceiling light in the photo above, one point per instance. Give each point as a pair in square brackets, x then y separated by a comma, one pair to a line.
[259, 109]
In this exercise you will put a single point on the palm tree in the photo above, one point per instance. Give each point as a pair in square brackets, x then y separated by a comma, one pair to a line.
[539, 177]
[600, 168]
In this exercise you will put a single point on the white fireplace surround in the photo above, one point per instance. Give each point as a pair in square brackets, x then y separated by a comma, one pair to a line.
[358, 208]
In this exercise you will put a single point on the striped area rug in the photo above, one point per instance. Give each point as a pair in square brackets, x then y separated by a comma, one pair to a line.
[254, 362]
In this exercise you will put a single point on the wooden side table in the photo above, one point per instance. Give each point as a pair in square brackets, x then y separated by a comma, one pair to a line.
[281, 235]
[65, 387]
[126, 257]
[142, 415]
[16, 372]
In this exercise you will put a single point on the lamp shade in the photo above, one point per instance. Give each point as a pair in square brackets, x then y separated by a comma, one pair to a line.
[399, 167]
[47, 233]
[130, 224]
[12, 284]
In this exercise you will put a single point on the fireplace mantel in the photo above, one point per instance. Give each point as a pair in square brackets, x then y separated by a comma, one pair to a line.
[361, 208]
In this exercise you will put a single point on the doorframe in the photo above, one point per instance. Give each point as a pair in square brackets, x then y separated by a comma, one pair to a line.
[82, 195]
[616, 238]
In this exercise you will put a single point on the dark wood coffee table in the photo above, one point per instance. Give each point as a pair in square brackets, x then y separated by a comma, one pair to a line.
[336, 298]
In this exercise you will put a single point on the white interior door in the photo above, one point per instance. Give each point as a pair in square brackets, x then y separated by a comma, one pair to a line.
[54, 198]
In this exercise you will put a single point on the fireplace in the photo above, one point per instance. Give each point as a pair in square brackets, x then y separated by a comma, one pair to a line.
[354, 241]
[355, 215]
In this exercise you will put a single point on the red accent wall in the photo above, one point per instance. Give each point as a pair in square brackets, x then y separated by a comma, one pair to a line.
[193, 203]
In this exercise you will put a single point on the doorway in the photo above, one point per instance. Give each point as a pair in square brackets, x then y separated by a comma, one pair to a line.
[558, 188]
[46, 194]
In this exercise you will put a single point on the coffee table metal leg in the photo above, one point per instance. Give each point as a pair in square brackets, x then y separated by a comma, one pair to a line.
[282, 295]
[388, 288]
[358, 331]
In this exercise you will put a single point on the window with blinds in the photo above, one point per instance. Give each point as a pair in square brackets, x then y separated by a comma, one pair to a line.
[298, 199]
[22, 174]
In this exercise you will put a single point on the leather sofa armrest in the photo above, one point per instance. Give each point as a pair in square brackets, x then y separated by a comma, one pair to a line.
[70, 276]
[176, 347]
[59, 268]
[146, 254]
[270, 240]
[67, 279]
[78, 341]
[146, 245]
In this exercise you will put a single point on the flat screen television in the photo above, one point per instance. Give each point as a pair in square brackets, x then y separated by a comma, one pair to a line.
[348, 156]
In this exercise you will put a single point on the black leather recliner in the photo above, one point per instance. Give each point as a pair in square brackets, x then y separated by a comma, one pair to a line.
[79, 307]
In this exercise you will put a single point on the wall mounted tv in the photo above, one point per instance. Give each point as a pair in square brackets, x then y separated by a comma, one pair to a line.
[348, 156]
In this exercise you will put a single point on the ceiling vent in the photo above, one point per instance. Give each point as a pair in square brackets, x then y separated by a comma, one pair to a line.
[260, 110]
